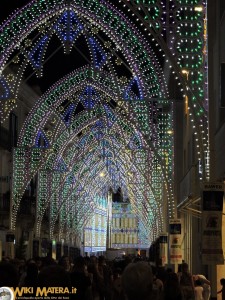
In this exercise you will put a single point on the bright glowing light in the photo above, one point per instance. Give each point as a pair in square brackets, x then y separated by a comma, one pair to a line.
[184, 71]
[198, 8]
[170, 131]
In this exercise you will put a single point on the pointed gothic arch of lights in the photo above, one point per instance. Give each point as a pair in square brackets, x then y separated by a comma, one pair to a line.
[24, 40]
[182, 22]
[110, 128]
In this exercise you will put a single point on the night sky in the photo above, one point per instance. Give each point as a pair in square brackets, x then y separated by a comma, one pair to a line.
[7, 7]
[59, 64]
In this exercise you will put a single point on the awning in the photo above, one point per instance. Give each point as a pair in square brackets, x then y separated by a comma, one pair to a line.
[191, 205]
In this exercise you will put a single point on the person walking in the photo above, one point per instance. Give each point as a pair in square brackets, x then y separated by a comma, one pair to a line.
[222, 291]
[205, 284]
[186, 283]
[172, 289]
[198, 290]
[137, 281]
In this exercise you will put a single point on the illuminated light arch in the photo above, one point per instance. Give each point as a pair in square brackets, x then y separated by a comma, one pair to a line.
[143, 63]
[86, 214]
[62, 90]
[86, 178]
[75, 156]
[62, 141]
[142, 60]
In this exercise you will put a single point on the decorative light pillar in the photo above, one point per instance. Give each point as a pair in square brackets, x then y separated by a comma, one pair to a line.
[109, 222]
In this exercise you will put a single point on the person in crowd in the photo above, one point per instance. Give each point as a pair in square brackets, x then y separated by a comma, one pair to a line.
[117, 293]
[205, 284]
[23, 273]
[137, 281]
[38, 261]
[97, 279]
[169, 270]
[48, 261]
[30, 279]
[222, 291]
[157, 284]
[106, 273]
[162, 273]
[186, 283]
[22, 266]
[64, 261]
[198, 290]
[54, 276]
[81, 280]
[172, 289]
[9, 275]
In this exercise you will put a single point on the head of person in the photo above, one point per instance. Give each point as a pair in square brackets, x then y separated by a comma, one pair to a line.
[64, 262]
[53, 276]
[222, 281]
[38, 262]
[101, 260]
[172, 278]
[184, 267]
[32, 269]
[195, 277]
[137, 281]
[198, 282]
[79, 264]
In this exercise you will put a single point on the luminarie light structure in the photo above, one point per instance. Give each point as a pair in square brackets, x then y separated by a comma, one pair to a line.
[112, 115]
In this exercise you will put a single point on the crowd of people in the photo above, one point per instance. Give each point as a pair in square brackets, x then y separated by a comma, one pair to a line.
[95, 278]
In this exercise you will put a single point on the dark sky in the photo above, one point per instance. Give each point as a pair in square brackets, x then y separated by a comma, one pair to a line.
[7, 7]
[59, 64]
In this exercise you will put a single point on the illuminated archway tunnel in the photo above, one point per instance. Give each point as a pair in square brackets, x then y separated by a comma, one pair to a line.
[79, 146]
[110, 116]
